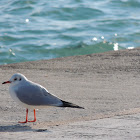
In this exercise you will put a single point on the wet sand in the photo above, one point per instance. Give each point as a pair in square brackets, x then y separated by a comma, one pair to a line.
[106, 84]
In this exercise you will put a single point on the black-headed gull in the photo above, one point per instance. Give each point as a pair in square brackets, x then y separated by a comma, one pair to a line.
[33, 96]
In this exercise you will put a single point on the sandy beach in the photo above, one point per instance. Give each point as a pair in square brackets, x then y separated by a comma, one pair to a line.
[105, 84]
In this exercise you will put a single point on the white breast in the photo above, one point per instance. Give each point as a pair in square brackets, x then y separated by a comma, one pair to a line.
[15, 98]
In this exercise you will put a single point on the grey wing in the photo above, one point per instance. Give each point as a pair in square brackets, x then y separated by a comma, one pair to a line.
[37, 96]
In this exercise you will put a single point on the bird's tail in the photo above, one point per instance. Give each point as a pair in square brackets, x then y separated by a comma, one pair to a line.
[68, 104]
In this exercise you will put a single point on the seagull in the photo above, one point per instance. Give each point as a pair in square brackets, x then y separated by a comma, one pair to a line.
[33, 96]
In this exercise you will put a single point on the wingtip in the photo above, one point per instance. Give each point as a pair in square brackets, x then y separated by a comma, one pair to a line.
[68, 104]
[82, 107]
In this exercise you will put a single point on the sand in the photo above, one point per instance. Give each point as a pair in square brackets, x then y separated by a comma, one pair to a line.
[105, 84]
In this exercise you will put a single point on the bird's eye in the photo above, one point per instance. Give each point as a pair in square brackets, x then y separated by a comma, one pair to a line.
[15, 79]
[19, 79]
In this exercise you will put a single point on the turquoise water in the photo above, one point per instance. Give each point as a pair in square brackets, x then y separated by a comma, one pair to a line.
[33, 30]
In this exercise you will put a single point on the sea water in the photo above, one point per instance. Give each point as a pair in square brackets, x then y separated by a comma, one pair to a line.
[44, 29]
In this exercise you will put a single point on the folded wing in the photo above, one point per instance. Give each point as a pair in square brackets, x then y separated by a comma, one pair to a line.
[36, 95]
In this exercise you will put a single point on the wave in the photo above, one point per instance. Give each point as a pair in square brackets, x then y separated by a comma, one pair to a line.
[36, 52]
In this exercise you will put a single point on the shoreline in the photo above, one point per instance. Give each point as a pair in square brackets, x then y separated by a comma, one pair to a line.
[106, 84]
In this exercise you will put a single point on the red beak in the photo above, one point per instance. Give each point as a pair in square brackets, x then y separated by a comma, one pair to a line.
[6, 82]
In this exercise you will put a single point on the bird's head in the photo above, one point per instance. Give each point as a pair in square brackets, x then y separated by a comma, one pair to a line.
[16, 79]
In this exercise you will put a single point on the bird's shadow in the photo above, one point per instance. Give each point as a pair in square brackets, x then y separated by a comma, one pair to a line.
[19, 128]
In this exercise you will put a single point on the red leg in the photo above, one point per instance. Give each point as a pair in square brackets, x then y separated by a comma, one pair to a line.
[26, 117]
[34, 117]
